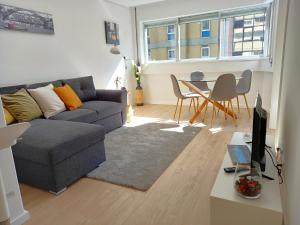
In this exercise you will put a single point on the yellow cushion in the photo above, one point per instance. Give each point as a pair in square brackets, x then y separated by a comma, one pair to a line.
[68, 96]
[8, 117]
[22, 106]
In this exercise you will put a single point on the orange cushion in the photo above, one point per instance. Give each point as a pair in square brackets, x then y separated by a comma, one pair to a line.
[68, 96]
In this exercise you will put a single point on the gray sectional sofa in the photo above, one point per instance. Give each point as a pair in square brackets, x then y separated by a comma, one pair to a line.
[53, 153]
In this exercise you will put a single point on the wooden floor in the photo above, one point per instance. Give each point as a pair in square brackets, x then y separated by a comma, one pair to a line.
[179, 197]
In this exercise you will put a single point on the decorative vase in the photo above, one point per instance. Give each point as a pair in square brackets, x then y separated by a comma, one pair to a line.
[139, 96]
[248, 180]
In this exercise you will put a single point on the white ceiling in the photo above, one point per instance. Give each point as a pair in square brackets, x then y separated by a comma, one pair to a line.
[132, 3]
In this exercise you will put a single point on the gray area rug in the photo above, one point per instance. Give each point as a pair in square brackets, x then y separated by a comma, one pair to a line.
[137, 156]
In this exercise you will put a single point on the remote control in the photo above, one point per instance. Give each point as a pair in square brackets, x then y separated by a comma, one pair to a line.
[232, 169]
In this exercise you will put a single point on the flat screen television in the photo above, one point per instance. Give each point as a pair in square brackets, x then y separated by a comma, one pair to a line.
[259, 130]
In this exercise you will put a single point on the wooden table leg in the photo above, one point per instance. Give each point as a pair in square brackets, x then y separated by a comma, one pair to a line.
[207, 100]
[227, 111]
[199, 110]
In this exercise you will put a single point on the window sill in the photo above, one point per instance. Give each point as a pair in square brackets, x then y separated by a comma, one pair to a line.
[227, 59]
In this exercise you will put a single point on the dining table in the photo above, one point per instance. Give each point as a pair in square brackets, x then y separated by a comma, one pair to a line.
[190, 84]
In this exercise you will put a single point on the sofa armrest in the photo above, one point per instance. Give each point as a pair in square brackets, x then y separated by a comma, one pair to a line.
[119, 96]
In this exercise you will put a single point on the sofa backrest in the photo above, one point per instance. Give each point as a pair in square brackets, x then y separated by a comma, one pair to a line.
[11, 89]
[83, 86]
[56, 83]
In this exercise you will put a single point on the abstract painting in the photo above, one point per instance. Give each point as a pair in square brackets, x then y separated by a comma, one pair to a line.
[112, 33]
[15, 18]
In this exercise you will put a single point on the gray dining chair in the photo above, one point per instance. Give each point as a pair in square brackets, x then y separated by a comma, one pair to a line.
[182, 96]
[224, 91]
[196, 80]
[243, 88]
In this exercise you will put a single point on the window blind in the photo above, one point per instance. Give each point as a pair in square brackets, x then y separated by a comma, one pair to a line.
[201, 17]
[244, 11]
[159, 23]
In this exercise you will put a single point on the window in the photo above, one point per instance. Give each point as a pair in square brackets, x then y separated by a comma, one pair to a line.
[240, 32]
[171, 54]
[196, 32]
[171, 32]
[249, 31]
[205, 29]
[148, 43]
[161, 38]
[205, 51]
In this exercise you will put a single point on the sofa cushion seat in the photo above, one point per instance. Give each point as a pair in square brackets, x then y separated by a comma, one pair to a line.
[51, 142]
[104, 109]
[78, 115]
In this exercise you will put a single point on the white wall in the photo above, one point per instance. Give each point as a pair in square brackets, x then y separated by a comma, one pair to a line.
[278, 49]
[7, 167]
[78, 47]
[289, 120]
[156, 80]
[158, 88]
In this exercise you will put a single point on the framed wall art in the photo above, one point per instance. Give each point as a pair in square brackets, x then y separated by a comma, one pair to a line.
[19, 19]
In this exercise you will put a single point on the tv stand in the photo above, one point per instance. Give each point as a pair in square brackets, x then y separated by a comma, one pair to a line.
[228, 208]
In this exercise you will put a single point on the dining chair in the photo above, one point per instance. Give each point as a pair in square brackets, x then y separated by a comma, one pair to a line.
[182, 96]
[224, 91]
[243, 88]
[196, 77]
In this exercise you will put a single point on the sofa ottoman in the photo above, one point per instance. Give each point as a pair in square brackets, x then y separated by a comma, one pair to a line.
[54, 154]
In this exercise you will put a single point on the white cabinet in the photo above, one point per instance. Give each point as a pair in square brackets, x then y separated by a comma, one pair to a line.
[17, 213]
[227, 208]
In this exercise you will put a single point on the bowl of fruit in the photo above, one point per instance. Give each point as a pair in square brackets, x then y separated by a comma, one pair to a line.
[248, 183]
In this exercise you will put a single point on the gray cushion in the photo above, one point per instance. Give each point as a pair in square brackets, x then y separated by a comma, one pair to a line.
[103, 108]
[78, 115]
[50, 142]
[83, 86]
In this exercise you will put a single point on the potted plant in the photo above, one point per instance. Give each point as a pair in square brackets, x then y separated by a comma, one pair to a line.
[139, 94]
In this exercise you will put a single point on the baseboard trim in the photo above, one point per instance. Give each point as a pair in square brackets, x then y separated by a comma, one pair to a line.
[21, 219]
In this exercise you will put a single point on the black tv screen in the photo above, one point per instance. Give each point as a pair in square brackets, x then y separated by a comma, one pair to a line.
[259, 130]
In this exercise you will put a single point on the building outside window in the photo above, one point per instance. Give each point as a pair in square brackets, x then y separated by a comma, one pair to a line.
[229, 33]
[196, 32]
[160, 38]
[148, 44]
[205, 51]
[248, 34]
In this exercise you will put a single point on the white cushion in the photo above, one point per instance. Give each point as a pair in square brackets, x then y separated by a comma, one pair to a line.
[48, 100]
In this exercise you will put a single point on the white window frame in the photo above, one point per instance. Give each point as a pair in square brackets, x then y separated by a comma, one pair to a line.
[205, 47]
